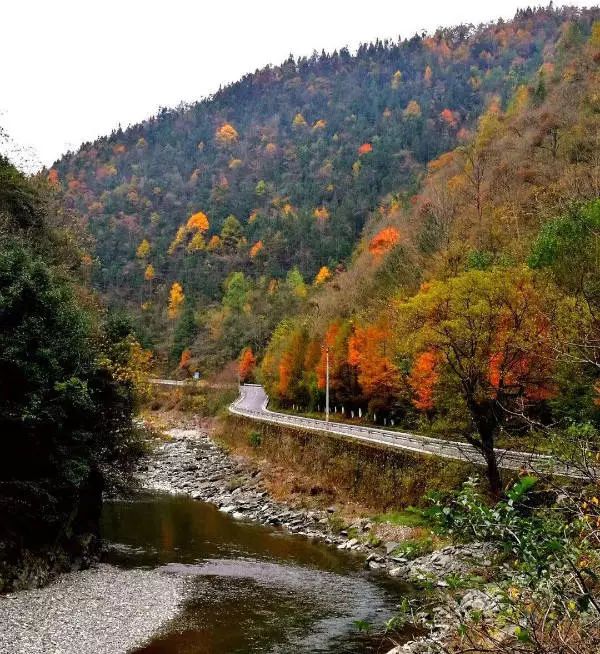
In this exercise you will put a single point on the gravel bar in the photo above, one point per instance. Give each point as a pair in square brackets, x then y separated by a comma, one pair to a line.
[103, 610]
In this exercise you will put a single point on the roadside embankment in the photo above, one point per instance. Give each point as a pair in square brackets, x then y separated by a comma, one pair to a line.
[321, 469]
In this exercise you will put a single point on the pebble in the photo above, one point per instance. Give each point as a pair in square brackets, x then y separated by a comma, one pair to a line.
[190, 463]
[102, 610]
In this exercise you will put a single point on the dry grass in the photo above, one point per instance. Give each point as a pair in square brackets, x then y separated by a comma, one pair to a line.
[318, 470]
[196, 406]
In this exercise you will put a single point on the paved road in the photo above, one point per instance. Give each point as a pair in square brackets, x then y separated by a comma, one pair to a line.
[252, 403]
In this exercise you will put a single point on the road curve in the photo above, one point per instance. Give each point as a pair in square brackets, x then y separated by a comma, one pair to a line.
[252, 403]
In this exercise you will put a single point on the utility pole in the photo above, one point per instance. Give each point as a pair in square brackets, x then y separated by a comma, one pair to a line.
[327, 385]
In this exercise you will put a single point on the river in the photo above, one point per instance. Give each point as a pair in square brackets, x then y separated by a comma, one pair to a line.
[248, 588]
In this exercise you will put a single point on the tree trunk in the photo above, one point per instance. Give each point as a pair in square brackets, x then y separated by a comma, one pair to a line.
[493, 472]
[486, 422]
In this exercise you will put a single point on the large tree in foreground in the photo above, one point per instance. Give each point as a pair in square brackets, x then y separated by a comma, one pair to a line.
[70, 378]
[485, 336]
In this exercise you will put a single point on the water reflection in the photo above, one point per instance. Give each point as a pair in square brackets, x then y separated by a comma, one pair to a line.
[166, 529]
[249, 588]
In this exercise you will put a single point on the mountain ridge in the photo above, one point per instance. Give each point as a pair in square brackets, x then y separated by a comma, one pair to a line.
[286, 165]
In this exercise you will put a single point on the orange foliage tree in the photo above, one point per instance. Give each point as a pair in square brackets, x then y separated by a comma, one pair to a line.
[198, 222]
[322, 276]
[449, 117]
[53, 178]
[256, 248]
[384, 241]
[185, 359]
[214, 243]
[365, 148]
[369, 351]
[490, 334]
[282, 367]
[226, 134]
[423, 377]
[247, 365]
[321, 214]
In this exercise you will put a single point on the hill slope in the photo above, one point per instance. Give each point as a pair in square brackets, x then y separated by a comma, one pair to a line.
[519, 203]
[281, 170]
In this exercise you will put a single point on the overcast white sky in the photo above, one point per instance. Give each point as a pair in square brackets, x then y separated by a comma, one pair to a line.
[74, 69]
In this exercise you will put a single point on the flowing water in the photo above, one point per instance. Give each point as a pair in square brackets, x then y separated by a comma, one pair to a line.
[249, 588]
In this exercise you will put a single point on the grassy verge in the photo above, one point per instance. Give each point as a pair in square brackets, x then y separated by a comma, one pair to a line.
[409, 517]
[319, 470]
[176, 406]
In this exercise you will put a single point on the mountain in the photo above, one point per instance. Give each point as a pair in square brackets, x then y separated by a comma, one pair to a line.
[483, 289]
[243, 198]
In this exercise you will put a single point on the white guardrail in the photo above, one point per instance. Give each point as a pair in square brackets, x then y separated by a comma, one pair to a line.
[507, 459]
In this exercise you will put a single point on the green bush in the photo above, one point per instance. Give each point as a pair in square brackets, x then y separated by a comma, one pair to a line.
[255, 439]
[69, 381]
[413, 548]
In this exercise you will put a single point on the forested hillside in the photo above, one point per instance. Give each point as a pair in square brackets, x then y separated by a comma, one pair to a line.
[473, 310]
[212, 221]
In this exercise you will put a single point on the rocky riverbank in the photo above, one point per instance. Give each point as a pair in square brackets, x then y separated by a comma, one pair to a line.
[105, 610]
[190, 462]
[102, 610]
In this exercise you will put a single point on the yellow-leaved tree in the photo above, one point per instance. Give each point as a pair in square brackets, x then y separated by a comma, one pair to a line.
[322, 276]
[178, 240]
[149, 273]
[143, 249]
[197, 243]
[176, 299]
[413, 109]
[299, 120]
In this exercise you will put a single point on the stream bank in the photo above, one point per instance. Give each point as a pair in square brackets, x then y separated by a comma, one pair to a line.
[191, 463]
[184, 568]
[100, 610]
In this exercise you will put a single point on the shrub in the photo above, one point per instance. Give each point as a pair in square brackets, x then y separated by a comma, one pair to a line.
[255, 439]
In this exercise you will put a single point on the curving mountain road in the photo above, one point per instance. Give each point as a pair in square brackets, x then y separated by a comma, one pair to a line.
[252, 403]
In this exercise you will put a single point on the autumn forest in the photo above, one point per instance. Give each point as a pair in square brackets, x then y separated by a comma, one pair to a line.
[415, 223]
[369, 203]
